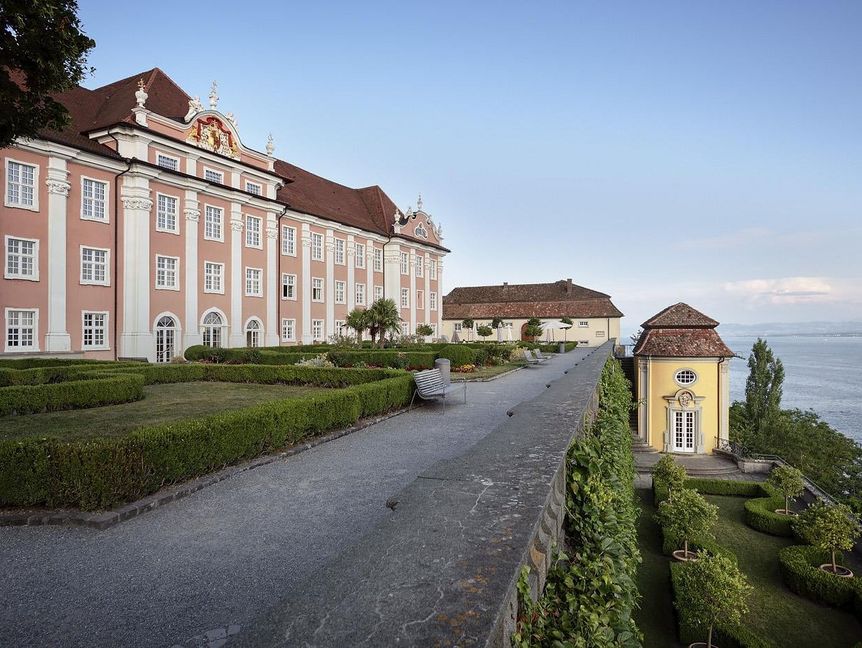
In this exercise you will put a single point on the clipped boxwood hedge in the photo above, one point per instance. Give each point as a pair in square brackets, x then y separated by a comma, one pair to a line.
[800, 571]
[760, 515]
[385, 358]
[72, 394]
[458, 354]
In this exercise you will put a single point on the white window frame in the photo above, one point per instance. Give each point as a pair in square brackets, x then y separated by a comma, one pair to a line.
[432, 298]
[176, 273]
[583, 324]
[339, 327]
[168, 156]
[340, 251]
[317, 324]
[106, 201]
[18, 275]
[420, 266]
[35, 345]
[220, 330]
[359, 296]
[257, 330]
[288, 240]
[105, 346]
[359, 255]
[405, 298]
[378, 259]
[176, 229]
[288, 329]
[340, 292]
[317, 285]
[220, 275]
[600, 334]
[316, 246]
[420, 299]
[93, 282]
[404, 261]
[378, 292]
[251, 233]
[257, 185]
[681, 383]
[284, 276]
[220, 211]
[220, 174]
[432, 270]
[259, 292]
[19, 204]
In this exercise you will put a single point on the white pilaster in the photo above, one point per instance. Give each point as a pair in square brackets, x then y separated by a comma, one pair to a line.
[330, 284]
[413, 303]
[57, 337]
[439, 297]
[392, 273]
[723, 400]
[191, 330]
[351, 273]
[426, 272]
[273, 289]
[136, 340]
[306, 284]
[237, 277]
[369, 269]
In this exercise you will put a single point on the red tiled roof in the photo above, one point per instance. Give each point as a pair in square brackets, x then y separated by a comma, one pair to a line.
[680, 331]
[680, 315]
[523, 301]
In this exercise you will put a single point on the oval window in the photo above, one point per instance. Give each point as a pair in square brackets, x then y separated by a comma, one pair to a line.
[685, 376]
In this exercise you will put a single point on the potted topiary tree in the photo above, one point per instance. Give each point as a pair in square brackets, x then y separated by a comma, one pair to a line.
[788, 481]
[424, 330]
[687, 516]
[832, 528]
[668, 471]
[533, 329]
[467, 325]
[483, 332]
[712, 590]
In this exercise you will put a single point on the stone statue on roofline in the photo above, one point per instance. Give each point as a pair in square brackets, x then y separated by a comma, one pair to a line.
[195, 106]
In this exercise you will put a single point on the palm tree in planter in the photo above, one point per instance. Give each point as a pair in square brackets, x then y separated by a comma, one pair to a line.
[832, 528]
[357, 320]
[383, 318]
[710, 590]
[787, 481]
[686, 515]
[668, 471]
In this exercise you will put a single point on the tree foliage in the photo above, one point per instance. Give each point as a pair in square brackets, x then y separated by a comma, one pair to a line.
[43, 51]
[496, 322]
[670, 472]
[357, 320]
[832, 528]
[788, 481]
[712, 589]
[484, 331]
[687, 515]
[763, 387]
[383, 318]
[424, 330]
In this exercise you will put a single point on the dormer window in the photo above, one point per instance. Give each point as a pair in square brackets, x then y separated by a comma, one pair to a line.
[212, 175]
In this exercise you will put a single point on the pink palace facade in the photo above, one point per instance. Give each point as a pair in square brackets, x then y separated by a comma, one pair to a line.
[147, 226]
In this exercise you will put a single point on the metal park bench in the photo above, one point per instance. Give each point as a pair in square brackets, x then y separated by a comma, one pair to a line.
[531, 359]
[540, 356]
[431, 386]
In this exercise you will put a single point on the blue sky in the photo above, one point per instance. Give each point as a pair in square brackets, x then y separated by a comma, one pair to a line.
[709, 152]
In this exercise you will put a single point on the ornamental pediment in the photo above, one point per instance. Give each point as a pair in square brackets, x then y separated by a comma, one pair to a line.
[211, 133]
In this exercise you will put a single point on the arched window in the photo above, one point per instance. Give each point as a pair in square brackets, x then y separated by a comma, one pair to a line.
[252, 333]
[212, 330]
[166, 335]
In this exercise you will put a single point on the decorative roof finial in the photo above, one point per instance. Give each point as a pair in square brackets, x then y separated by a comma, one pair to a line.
[270, 145]
[141, 94]
[214, 95]
[419, 203]
[232, 119]
[195, 106]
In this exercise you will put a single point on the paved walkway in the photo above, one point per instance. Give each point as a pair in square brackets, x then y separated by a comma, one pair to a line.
[198, 571]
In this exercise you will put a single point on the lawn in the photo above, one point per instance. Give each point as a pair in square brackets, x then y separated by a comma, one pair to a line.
[161, 404]
[483, 373]
[775, 611]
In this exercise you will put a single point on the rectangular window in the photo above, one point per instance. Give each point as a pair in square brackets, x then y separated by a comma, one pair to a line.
[288, 240]
[360, 294]
[166, 214]
[583, 323]
[600, 334]
[339, 251]
[253, 282]
[405, 298]
[405, 264]
[252, 232]
[339, 327]
[95, 330]
[167, 272]
[254, 188]
[432, 297]
[288, 286]
[317, 330]
[316, 289]
[94, 195]
[213, 222]
[21, 330]
[22, 259]
[457, 326]
[316, 246]
[378, 260]
[420, 299]
[420, 266]
[21, 185]
[378, 292]
[94, 266]
[339, 292]
[405, 328]
[288, 329]
[433, 268]
[212, 175]
[168, 162]
[359, 255]
[213, 277]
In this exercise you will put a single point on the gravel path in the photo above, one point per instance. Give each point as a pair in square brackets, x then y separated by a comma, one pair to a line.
[198, 571]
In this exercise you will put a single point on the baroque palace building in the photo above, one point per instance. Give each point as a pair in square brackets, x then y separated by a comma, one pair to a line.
[146, 227]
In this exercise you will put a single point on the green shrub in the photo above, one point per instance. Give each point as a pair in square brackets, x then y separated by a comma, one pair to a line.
[800, 571]
[726, 487]
[458, 354]
[35, 363]
[387, 358]
[73, 394]
[760, 515]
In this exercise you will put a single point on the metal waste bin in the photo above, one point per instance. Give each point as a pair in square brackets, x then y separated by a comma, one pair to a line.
[444, 366]
[562, 347]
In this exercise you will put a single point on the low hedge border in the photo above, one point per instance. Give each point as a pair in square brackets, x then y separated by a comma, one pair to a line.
[71, 394]
[726, 637]
[800, 571]
[35, 363]
[98, 473]
[386, 358]
[706, 486]
[760, 515]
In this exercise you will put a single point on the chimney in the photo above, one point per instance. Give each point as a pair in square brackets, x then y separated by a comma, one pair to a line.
[569, 286]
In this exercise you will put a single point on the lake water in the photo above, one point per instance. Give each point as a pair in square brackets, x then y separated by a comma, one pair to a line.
[823, 373]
